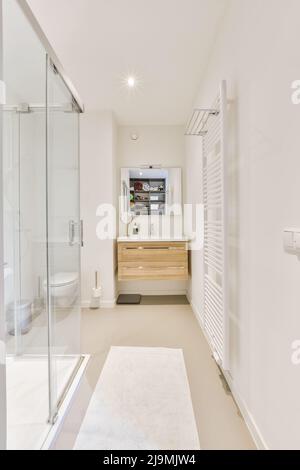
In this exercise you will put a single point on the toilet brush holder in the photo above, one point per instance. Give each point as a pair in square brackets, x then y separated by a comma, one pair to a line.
[96, 295]
[95, 300]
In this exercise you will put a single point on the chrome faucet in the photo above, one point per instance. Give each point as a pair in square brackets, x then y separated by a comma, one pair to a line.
[132, 218]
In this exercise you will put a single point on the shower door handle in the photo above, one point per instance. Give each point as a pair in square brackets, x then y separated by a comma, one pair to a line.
[72, 225]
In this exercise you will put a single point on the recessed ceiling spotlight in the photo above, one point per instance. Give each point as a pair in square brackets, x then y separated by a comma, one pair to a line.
[131, 82]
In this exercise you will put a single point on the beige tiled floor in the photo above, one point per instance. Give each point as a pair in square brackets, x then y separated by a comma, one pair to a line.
[219, 424]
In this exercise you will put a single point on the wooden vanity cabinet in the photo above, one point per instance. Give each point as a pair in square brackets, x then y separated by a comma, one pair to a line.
[152, 261]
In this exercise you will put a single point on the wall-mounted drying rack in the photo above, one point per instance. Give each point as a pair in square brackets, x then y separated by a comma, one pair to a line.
[197, 125]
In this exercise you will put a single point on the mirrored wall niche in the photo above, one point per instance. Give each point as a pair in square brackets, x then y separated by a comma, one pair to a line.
[151, 202]
[40, 159]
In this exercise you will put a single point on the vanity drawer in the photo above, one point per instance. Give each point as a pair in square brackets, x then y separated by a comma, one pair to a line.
[152, 251]
[159, 270]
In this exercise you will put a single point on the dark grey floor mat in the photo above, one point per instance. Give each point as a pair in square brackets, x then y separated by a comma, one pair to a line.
[129, 299]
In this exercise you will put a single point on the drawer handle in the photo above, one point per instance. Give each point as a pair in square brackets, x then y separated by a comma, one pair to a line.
[152, 268]
[134, 248]
[166, 248]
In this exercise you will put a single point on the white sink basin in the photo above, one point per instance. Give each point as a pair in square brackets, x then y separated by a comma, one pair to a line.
[137, 238]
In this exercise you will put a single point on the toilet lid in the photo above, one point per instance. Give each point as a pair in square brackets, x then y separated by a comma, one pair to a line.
[63, 279]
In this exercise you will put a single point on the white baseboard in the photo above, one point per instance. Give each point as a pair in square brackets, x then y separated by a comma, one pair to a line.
[108, 303]
[248, 418]
[196, 312]
[103, 303]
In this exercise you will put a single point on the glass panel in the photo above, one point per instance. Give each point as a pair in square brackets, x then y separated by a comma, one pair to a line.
[41, 234]
[24, 173]
[64, 238]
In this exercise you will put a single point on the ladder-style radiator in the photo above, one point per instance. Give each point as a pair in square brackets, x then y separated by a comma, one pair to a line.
[216, 312]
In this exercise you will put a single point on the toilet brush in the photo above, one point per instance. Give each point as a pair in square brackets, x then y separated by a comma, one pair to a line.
[96, 294]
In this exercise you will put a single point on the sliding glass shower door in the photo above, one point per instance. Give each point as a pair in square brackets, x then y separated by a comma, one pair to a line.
[24, 231]
[42, 232]
[64, 236]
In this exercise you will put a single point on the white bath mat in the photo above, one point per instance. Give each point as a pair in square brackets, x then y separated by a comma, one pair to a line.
[142, 402]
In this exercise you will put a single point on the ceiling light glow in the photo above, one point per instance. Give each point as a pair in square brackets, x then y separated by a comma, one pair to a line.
[131, 82]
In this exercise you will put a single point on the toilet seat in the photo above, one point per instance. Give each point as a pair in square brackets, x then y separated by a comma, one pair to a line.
[62, 279]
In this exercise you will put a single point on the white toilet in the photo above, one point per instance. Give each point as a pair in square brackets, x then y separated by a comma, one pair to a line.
[64, 289]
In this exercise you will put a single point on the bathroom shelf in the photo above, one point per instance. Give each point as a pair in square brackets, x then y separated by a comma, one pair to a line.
[198, 121]
[144, 206]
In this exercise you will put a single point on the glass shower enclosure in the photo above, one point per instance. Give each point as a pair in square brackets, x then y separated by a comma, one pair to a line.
[42, 233]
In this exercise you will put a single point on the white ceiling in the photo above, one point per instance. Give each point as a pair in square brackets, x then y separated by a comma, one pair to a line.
[165, 43]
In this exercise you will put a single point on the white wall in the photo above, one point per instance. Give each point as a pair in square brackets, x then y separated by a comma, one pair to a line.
[98, 186]
[104, 151]
[193, 195]
[257, 52]
[157, 145]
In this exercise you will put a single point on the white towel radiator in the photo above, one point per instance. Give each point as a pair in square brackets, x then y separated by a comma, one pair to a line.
[211, 124]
